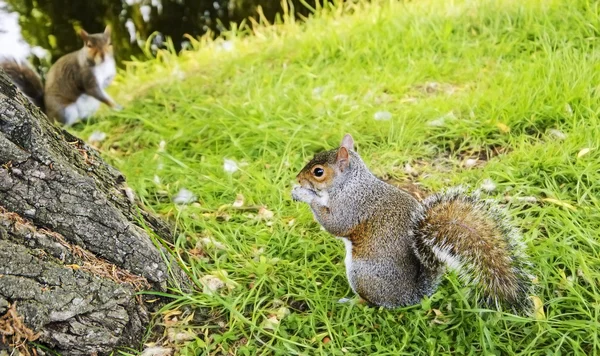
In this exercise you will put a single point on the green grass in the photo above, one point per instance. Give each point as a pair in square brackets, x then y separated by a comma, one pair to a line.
[507, 73]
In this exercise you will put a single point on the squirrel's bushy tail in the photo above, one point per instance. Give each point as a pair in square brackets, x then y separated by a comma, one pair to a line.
[475, 237]
[26, 79]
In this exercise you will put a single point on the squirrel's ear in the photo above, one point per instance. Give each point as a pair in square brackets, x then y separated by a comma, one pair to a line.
[348, 142]
[107, 31]
[84, 35]
[342, 158]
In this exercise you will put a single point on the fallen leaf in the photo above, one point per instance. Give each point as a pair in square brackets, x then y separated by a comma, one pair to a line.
[470, 163]
[557, 134]
[382, 115]
[265, 214]
[210, 242]
[583, 152]
[568, 110]
[157, 351]
[503, 127]
[183, 197]
[538, 308]
[198, 252]
[270, 323]
[560, 203]
[316, 92]
[437, 122]
[162, 146]
[180, 335]
[439, 316]
[408, 169]
[211, 284]
[408, 99]
[230, 166]
[239, 201]
[282, 312]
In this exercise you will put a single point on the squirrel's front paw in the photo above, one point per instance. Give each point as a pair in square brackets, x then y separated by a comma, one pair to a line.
[117, 107]
[303, 194]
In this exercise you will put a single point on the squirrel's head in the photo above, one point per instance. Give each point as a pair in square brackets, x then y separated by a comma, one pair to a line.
[321, 172]
[97, 46]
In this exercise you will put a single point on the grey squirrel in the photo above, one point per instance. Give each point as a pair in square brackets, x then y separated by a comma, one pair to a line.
[397, 249]
[74, 84]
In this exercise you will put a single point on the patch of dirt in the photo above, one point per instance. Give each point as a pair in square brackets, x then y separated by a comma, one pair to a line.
[433, 88]
[482, 153]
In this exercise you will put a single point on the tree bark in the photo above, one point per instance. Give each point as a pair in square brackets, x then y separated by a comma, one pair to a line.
[74, 246]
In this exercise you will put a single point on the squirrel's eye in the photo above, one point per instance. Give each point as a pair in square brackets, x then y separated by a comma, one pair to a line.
[318, 172]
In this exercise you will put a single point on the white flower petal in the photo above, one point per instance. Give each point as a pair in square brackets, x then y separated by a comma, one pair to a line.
[382, 115]
[230, 166]
[184, 196]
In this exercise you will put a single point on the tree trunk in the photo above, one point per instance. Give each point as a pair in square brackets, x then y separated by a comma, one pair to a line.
[73, 245]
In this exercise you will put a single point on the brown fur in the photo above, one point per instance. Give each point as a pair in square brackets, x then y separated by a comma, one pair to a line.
[478, 234]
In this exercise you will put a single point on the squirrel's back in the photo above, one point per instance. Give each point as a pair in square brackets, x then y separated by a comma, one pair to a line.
[474, 237]
[64, 81]
[26, 79]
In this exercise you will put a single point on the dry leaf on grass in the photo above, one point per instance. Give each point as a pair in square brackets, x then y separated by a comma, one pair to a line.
[583, 152]
[557, 134]
[239, 201]
[216, 281]
[470, 163]
[439, 316]
[209, 242]
[211, 284]
[382, 116]
[271, 323]
[503, 127]
[178, 336]
[183, 197]
[560, 203]
[265, 214]
[538, 308]
[157, 351]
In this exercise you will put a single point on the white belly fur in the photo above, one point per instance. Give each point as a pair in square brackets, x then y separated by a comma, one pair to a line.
[348, 260]
[105, 72]
[86, 106]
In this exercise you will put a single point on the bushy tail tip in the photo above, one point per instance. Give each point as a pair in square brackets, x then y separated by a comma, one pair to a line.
[475, 237]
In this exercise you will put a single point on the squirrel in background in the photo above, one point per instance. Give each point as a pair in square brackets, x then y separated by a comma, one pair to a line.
[74, 84]
[397, 249]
